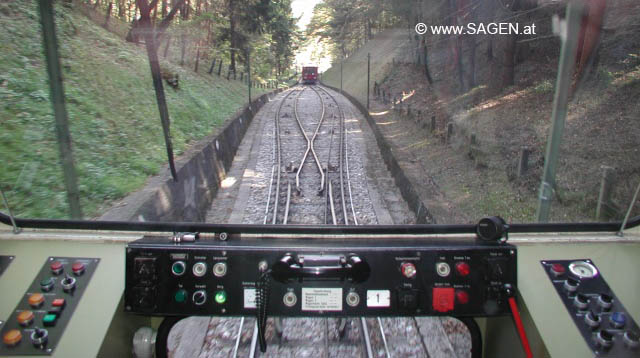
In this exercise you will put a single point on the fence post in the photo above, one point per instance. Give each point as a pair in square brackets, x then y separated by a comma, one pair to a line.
[604, 207]
[449, 132]
[433, 124]
[523, 162]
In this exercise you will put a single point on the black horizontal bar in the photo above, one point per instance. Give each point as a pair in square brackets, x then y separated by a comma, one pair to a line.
[152, 226]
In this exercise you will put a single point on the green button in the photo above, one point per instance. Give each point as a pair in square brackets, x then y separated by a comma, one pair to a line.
[180, 296]
[221, 297]
[49, 319]
[178, 267]
[46, 282]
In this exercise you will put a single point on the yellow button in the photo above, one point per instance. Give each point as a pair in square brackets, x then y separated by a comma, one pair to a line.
[36, 299]
[12, 337]
[25, 318]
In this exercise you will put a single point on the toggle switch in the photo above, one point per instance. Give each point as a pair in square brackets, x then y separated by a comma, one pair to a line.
[39, 337]
[68, 283]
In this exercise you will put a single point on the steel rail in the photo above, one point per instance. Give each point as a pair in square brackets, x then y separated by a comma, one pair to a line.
[309, 145]
[279, 158]
[342, 165]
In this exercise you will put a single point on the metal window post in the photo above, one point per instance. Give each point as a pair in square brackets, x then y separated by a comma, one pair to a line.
[341, 62]
[50, 45]
[569, 34]
[368, 77]
[249, 73]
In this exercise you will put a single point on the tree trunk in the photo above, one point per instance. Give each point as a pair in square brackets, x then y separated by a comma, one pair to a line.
[197, 58]
[164, 9]
[106, 21]
[213, 65]
[426, 63]
[166, 47]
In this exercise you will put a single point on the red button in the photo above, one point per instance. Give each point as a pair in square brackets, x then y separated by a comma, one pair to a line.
[557, 270]
[58, 302]
[56, 267]
[462, 297]
[463, 268]
[78, 268]
[443, 299]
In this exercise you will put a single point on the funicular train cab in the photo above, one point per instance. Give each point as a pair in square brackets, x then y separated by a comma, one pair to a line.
[310, 75]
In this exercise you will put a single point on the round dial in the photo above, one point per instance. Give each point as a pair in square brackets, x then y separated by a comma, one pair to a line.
[583, 269]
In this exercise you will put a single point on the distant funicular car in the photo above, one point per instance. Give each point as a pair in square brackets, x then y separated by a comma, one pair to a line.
[310, 75]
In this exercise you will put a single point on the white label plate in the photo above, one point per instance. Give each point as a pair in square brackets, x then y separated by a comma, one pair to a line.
[378, 298]
[249, 298]
[322, 299]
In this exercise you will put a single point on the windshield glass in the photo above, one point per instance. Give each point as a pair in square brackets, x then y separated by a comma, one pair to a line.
[362, 112]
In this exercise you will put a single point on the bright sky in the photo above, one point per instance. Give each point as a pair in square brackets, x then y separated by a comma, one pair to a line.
[305, 8]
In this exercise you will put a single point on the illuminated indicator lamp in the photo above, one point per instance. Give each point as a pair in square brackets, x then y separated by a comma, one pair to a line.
[180, 296]
[78, 268]
[178, 268]
[25, 318]
[36, 300]
[557, 270]
[618, 319]
[408, 270]
[49, 320]
[463, 268]
[221, 297]
[462, 297]
[56, 267]
[12, 337]
[58, 302]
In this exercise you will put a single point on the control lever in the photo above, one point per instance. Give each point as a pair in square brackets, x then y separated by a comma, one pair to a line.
[518, 320]
[340, 267]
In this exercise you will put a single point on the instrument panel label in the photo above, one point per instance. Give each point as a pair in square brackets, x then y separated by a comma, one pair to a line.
[249, 298]
[378, 298]
[321, 299]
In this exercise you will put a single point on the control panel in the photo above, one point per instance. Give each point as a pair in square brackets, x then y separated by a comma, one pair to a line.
[5, 260]
[601, 318]
[39, 319]
[319, 277]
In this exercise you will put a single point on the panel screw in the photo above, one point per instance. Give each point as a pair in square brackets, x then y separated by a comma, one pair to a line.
[263, 266]
[223, 236]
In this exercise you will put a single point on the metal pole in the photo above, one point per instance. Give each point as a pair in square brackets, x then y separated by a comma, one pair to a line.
[368, 76]
[569, 33]
[57, 100]
[341, 62]
[249, 73]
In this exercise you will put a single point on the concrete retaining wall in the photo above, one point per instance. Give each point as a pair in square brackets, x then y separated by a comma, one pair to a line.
[200, 171]
[407, 189]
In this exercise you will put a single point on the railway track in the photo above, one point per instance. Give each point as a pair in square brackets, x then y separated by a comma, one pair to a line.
[310, 170]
